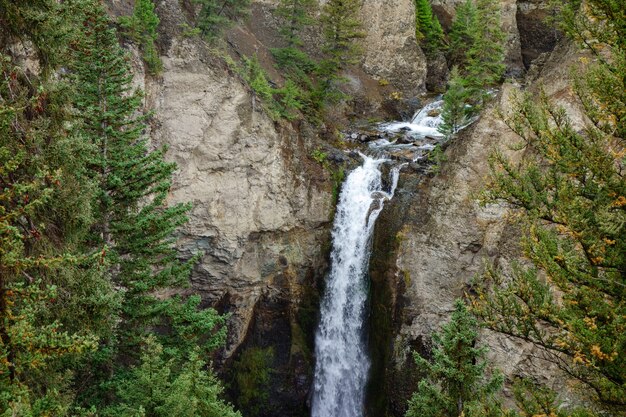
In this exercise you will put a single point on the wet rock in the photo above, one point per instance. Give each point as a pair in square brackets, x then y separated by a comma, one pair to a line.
[405, 139]
[337, 156]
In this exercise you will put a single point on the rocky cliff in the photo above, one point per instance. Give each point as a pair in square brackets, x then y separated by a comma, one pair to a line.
[262, 208]
[435, 237]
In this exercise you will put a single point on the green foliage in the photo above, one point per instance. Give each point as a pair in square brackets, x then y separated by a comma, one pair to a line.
[257, 79]
[45, 213]
[188, 31]
[571, 192]
[163, 385]
[485, 55]
[142, 28]
[456, 383]
[455, 112]
[338, 176]
[341, 29]
[290, 100]
[252, 376]
[462, 32]
[48, 24]
[138, 235]
[297, 16]
[294, 61]
[477, 51]
[427, 28]
[136, 229]
[436, 157]
[282, 102]
[31, 350]
[534, 400]
[85, 236]
[320, 157]
[216, 15]
[300, 71]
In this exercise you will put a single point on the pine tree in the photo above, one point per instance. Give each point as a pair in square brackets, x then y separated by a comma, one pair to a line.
[297, 16]
[456, 112]
[133, 182]
[47, 281]
[341, 28]
[164, 386]
[427, 27]
[142, 27]
[134, 226]
[216, 15]
[571, 191]
[485, 54]
[462, 32]
[456, 383]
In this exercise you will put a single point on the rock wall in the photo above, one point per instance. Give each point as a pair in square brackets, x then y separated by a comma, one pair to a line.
[261, 207]
[443, 238]
[390, 48]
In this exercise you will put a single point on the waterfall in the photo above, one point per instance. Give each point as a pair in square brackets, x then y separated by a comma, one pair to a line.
[342, 362]
[423, 123]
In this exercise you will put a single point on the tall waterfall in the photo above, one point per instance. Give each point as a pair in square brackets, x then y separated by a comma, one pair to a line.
[340, 346]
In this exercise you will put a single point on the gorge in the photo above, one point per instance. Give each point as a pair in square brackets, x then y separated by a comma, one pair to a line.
[262, 213]
[334, 212]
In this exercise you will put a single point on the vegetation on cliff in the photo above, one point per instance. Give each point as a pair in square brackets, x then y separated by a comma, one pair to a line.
[476, 53]
[456, 383]
[86, 240]
[570, 191]
[428, 30]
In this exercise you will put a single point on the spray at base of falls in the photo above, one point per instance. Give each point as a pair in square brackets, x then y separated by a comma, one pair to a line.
[342, 364]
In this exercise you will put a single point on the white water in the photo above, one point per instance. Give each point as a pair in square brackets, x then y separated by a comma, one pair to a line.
[421, 124]
[340, 346]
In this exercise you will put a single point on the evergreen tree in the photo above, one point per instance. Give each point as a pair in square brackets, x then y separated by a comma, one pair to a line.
[134, 226]
[297, 16]
[427, 27]
[455, 383]
[215, 15]
[341, 28]
[142, 27]
[477, 47]
[133, 183]
[571, 191]
[158, 387]
[456, 112]
[485, 54]
[462, 32]
[53, 303]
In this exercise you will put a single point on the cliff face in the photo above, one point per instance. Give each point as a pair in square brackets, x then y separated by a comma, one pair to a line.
[390, 48]
[261, 206]
[262, 209]
[442, 238]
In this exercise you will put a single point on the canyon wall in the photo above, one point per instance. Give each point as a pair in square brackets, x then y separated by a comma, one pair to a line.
[262, 207]
[441, 238]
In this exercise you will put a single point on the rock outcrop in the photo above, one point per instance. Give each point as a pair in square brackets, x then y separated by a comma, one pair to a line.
[442, 238]
[390, 48]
